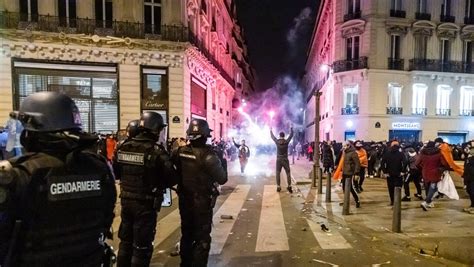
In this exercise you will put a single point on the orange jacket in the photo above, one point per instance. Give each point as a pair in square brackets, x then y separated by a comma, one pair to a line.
[448, 157]
[338, 172]
[364, 162]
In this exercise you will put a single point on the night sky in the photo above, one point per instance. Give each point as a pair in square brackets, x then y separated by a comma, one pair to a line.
[266, 25]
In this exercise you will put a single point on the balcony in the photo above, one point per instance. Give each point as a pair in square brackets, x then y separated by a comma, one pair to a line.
[419, 111]
[422, 16]
[394, 111]
[396, 64]
[443, 112]
[350, 16]
[397, 13]
[441, 66]
[346, 65]
[349, 110]
[193, 39]
[466, 112]
[10, 20]
[447, 18]
[469, 20]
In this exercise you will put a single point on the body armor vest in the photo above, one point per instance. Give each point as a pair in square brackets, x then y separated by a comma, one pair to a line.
[65, 210]
[191, 162]
[139, 174]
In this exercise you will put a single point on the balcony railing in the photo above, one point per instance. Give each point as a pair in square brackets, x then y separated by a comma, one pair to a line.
[447, 18]
[202, 47]
[349, 110]
[397, 13]
[394, 110]
[10, 20]
[441, 66]
[419, 111]
[466, 112]
[422, 16]
[469, 20]
[443, 112]
[396, 64]
[346, 65]
[350, 16]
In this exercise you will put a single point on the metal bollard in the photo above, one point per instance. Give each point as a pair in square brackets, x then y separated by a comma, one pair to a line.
[328, 187]
[397, 211]
[320, 181]
[347, 194]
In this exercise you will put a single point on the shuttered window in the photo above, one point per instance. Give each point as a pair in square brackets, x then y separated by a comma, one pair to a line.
[198, 98]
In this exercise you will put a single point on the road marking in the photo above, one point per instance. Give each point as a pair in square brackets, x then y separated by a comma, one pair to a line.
[328, 240]
[167, 226]
[271, 229]
[231, 206]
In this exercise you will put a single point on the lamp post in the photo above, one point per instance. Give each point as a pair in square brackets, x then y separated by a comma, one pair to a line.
[316, 166]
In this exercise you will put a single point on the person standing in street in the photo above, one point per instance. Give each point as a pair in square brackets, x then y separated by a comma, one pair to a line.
[244, 154]
[58, 200]
[14, 129]
[413, 174]
[145, 171]
[349, 167]
[199, 169]
[364, 163]
[299, 151]
[432, 165]
[393, 165]
[3, 143]
[282, 158]
[328, 158]
[447, 154]
[469, 175]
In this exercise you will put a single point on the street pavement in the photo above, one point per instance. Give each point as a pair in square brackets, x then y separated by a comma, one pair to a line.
[300, 229]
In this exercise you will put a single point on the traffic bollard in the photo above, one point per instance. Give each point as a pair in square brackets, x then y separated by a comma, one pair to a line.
[320, 181]
[347, 194]
[397, 211]
[328, 187]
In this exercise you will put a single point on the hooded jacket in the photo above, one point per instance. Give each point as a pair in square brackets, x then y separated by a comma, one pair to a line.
[469, 168]
[432, 164]
[362, 154]
[393, 161]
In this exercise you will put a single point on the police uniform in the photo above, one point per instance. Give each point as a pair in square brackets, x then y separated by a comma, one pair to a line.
[57, 201]
[145, 171]
[200, 168]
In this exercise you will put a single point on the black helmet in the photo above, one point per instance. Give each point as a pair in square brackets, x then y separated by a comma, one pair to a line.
[49, 112]
[132, 128]
[152, 121]
[198, 128]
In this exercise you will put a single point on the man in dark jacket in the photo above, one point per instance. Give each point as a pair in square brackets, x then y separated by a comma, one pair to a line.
[244, 154]
[469, 175]
[393, 165]
[432, 165]
[200, 169]
[350, 168]
[414, 174]
[328, 158]
[282, 158]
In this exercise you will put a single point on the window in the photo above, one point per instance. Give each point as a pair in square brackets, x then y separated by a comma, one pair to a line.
[352, 48]
[469, 8]
[446, 8]
[421, 7]
[445, 51]
[353, 6]
[395, 46]
[29, 10]
[154, 88]
[443, 93]
[103, 13]
[204, 6]
[467, 101]
[394, 95]
[198, 98]
[349, 135]
[350, 96]
[67, 13]
[419, 99]
[152, 16]
[396, 5]
[421, 45]
[467, 52]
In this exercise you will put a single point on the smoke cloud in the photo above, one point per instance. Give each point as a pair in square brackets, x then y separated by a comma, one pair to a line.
[301, 24]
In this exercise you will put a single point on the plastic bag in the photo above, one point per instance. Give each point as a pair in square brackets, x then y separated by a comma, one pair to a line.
[446, 186]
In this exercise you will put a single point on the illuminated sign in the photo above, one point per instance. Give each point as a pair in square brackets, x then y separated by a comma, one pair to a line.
[406, 125]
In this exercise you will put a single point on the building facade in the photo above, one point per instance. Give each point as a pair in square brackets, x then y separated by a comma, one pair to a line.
[116, 58]
[392, 69]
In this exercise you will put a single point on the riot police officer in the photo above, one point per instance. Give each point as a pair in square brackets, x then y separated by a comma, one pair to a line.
[56, 201]
[145, 171]
[199, 168]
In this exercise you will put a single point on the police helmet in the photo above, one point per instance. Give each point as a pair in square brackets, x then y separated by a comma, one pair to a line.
[152, 121]
[49, 112]
[133, 128]
[198, 128]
